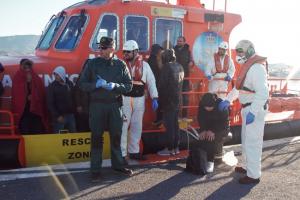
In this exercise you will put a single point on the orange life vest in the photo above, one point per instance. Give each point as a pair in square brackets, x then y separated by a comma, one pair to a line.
[218, 64]
[138, 71]
[245, 68]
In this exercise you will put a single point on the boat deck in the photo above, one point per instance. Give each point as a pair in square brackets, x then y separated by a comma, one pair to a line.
[163, 180]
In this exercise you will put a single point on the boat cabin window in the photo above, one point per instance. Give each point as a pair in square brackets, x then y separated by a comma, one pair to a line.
[50, 32]
[72, 32]
[97, 2]
[167, 31]
[137, 29]
[108, 27]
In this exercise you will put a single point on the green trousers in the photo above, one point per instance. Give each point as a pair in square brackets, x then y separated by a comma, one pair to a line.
[105, 116]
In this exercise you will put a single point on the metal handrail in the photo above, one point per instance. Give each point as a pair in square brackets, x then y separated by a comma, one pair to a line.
[11, 125]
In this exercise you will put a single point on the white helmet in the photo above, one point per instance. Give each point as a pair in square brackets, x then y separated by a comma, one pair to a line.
[223, 45]
[130, 45]
[245, 46]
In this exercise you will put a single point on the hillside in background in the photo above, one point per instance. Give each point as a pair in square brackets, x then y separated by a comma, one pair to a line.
[18, 45]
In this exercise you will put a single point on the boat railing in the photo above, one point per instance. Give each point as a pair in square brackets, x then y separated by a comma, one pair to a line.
[9, 125]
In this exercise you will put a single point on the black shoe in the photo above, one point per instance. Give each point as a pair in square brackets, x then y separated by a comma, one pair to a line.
[240, 170]
[125, 171]
[137, 156]
[247, 180]
[96, 177]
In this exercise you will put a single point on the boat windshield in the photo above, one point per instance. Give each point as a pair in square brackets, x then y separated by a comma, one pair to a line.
[136, 28]
[72, 32]
[50, 32]
[167, 31]
[108, 27]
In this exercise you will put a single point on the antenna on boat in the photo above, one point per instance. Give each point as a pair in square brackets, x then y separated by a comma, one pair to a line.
[168, 39]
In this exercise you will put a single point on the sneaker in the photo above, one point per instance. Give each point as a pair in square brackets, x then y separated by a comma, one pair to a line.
[95, 177]
[166, 152]
[125, 171]
[176, 151]
[137, 156]
[210, 167]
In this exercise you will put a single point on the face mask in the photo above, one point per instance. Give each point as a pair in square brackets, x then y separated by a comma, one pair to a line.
[241, 60]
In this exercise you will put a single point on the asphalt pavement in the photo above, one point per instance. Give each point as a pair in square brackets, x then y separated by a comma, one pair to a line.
[280, 180]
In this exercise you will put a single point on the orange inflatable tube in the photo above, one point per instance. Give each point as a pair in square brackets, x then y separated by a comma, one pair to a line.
[279, 104]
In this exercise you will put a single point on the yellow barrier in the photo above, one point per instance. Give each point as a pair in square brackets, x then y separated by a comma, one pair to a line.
[50, 149]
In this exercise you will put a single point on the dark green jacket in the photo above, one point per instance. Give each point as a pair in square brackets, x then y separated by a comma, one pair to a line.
[113, 70]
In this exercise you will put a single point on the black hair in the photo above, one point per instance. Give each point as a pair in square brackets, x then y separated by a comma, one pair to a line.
[168, 56]
[182, 38]
[209, 100]
[26, 61]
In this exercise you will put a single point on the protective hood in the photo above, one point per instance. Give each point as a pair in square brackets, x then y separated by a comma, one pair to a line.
[61, 72]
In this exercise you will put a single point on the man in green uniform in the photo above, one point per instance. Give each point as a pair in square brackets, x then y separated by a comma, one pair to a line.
[105, 79]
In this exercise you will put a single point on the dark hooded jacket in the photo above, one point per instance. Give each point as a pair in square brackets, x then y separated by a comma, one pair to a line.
[171, 79]
[152, 61]
[215, 120]
[183, 57]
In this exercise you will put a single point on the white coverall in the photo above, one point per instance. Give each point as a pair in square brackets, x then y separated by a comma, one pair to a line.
[252, 134]
[219, 86]
[133, 109]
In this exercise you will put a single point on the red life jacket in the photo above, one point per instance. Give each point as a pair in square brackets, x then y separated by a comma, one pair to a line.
[218, 64]
[138, 71]
[245, 68]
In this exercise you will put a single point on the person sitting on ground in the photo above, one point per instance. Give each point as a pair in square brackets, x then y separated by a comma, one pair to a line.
[29, 100]
[214, 126]
[60, 101]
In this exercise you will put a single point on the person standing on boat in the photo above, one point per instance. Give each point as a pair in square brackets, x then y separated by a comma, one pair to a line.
[156, 64]
[222, 69]
[252, 90]
[170, 86]
[106, 78]
[184, 57]
[134, 101]
[60, 102]
[29, 100]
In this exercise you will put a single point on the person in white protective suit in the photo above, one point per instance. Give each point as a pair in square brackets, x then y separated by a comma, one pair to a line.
[220, 71]
[252, 90]
[134, 101]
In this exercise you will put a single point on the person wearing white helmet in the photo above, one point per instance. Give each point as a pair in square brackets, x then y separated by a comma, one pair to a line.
[252, 91]
[134, 101]
[220, 71]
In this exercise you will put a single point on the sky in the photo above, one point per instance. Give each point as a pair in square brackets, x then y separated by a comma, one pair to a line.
[272, 25]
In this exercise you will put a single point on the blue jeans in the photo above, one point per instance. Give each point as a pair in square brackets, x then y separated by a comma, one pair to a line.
[69, 124]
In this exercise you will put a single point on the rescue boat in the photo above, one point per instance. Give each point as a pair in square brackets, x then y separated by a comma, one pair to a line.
[72, 36]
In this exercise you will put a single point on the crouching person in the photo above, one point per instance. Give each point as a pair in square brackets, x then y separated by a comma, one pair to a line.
[214, 126]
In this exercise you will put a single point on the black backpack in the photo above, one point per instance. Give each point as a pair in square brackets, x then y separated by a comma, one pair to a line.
[196, 161]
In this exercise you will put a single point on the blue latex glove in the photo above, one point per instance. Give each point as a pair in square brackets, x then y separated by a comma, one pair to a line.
[250, 118]
[209, 77]
[227, 78]
[224, 105]
[154, 104]
[109, 86]
[100, 82]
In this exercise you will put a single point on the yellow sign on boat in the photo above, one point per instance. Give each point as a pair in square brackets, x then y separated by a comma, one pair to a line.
[50, 149]
[167, 12]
